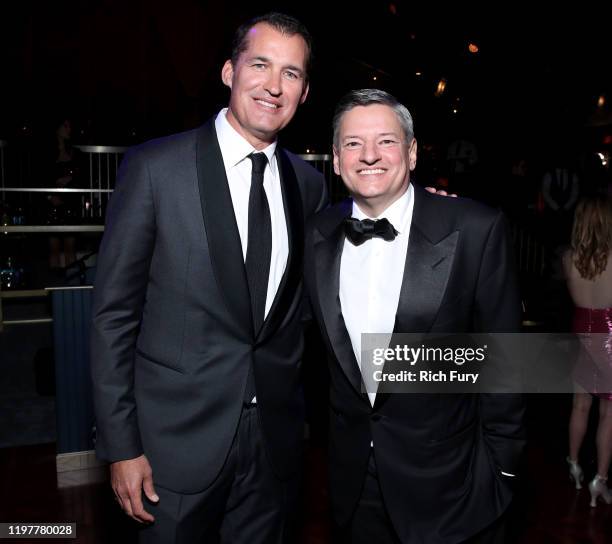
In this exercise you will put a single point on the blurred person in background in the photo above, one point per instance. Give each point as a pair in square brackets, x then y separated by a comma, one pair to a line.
[560, 191]
[588, 270]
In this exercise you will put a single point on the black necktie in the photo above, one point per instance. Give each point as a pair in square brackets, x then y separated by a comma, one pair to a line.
[358, 231]
[259, 244]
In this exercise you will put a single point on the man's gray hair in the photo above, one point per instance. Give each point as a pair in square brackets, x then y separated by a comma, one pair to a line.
[367, 97]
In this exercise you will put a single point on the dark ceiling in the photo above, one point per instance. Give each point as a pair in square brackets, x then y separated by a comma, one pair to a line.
[129, 70]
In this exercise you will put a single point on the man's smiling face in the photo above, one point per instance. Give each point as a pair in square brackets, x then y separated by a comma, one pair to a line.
[373, 157]
[268, 82]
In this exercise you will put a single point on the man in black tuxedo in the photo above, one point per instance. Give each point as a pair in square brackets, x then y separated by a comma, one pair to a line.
[197, 338]
[409, 467]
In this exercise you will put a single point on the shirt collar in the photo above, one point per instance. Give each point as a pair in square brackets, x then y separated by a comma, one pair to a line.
[397, 214]
[234, 148]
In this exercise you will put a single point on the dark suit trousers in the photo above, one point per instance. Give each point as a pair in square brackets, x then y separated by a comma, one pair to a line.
[245, 504]
[370, 522]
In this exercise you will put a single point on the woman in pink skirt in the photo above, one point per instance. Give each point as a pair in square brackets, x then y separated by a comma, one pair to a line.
[588, 269]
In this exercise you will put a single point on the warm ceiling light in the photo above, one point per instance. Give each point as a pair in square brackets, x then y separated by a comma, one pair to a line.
[374, 78]
[441, 87]
[601, 101]
[418, 73]
[472, 47]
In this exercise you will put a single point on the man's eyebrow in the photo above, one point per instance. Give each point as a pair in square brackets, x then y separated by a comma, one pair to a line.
[258, 58]
[292, 67]
[347, 136]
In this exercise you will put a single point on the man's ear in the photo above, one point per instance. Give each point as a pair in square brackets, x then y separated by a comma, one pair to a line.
[412, 154]
[304, 93]
[336, 162]
[227, 73]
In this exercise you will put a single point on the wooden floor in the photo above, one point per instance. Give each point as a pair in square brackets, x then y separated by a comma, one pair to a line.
[547, 508]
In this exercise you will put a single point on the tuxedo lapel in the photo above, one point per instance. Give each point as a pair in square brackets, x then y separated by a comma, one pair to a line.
[328, 254]
[221, 229]
[426, 273]
[294, 217]
[429, 259]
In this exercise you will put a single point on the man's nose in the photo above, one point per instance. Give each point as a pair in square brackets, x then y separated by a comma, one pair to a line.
[369, 153]
[274, 83]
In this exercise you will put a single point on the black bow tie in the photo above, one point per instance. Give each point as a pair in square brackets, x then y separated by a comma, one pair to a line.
[359, 231]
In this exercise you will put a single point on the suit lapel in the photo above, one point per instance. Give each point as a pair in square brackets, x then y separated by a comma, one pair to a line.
[221, 229]
[294, 217]
[426, 273]
[328, 253]
[429, 259]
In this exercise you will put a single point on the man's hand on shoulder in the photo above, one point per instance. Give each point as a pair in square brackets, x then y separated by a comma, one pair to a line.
[129, 478]
[441, 192]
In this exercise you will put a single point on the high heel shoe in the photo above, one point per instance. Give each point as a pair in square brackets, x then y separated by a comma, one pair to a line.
[599, 488]
[575, 472]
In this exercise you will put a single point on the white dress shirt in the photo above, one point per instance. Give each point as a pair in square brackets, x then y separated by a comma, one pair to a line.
[371, 276]
[235, 151]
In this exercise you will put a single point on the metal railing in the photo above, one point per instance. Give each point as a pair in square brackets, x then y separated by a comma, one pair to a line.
[103, 163]
[22, 294]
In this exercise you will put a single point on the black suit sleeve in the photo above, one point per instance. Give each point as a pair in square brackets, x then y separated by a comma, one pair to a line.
[497, 310]
[319, 202]
[323, 197]
[119, 293]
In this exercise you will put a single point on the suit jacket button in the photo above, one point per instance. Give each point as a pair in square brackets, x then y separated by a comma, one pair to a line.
[375, 417]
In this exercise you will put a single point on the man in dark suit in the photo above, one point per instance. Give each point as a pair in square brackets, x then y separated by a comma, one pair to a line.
[197, 338]
[409, 467]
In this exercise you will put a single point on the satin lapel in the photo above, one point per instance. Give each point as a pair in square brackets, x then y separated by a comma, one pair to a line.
[328, 253]
[426, 272]
[294, 217]
[221, 229]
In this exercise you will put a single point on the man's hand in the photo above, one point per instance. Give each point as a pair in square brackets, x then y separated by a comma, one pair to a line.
[441, 192]
[128, 479]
